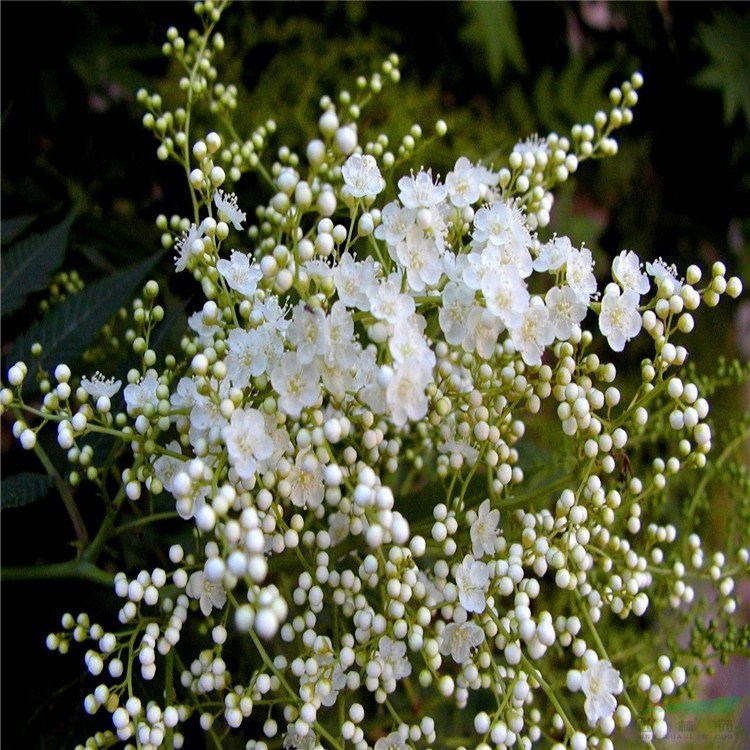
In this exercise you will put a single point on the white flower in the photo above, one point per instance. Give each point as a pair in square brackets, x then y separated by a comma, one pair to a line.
[226, 203]
[663, 272]
[100, 386]
[626, 270]
[419, 255]
[296, 382]
[293, 741]
[244, 359]
[308, 332]
[306, 481]
[619, 319]
[482, 331]
[502, 226]
[186, 247]
[473, 581]
[342, 348]
[395, 221]
[388, 303]
[553, 255]
[137, 395]
[420, 191]
[483, 531]
[506, 296]
[405, 394]
[392, 657]
[247, 441]
[458, 640]
[240, 273]
[165, 467]
[394, 741]
[353, 279]
[210, 594]
[206, 332]
[565, 311]
[600, 684]
[407, 340]
[463, 183]
[458, 303]
[362, 176]
[579, 274]
[534, 333]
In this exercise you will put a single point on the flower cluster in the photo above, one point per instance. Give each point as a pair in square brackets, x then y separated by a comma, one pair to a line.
[343, 430]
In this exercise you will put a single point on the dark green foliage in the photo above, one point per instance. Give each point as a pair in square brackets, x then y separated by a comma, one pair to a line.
[726, 41]
[27, 266]
[73, 325]
[24, 488]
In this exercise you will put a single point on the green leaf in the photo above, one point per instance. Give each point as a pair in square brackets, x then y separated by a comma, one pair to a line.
[492, 27]
[27, 265]
[12, 228]
[66, 332]
[726, 41]
[23, 488]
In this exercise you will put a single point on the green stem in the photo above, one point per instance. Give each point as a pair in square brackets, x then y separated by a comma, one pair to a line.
[167, 515]
[82, 569]
[79, 527]
[105, 530]
[700, 489]
[600, 646]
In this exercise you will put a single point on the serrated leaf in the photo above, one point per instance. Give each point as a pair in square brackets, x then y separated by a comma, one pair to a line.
[492, 26]
[27, 265]
[23, 488]
[12, 228]
[726, 41]
[66, 332]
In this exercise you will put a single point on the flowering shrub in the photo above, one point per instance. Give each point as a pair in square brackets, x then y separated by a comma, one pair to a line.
[342, 431]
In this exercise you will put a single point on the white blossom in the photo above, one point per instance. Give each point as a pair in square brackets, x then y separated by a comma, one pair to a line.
[388, 303]
[626, 270]
[483, 531]
[463, 183]
[619, 319]
[565, 311]
[458, 640]
[393, 741]
[186, 246]
[600, 683]
[395, 222]
[420, 191]
[419, 255]
[473, 581]
[209, 594]
[306, 481]
[405, 392]
[247, 441]
[362, 176]
[226, 203]
[138, 395]
[534, 333]
[308, 332]
[662, 271]
[353, 279]
[579, 273]
[392, 657]
[458, 303]
[296, 382]
[100, 386]
[239, 273]
[553, 255]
